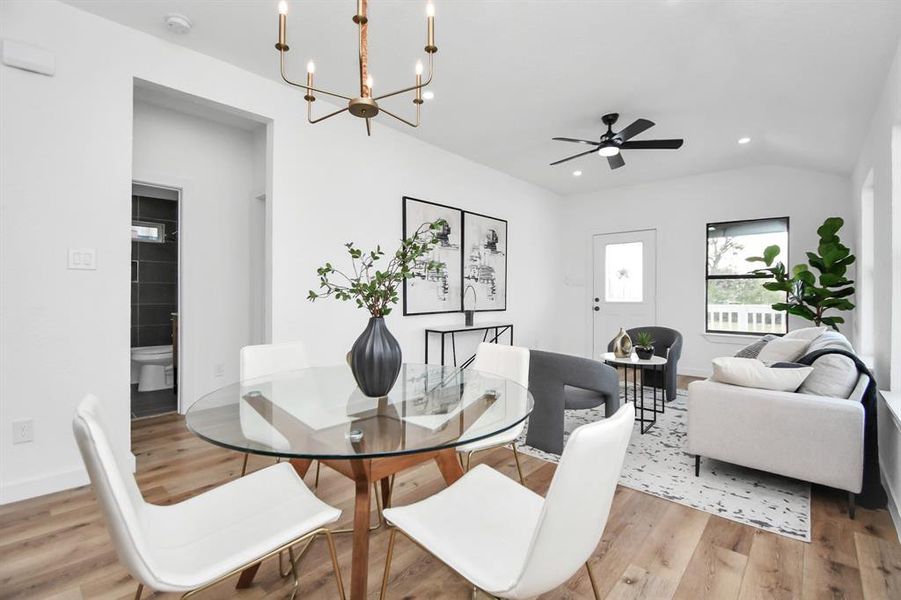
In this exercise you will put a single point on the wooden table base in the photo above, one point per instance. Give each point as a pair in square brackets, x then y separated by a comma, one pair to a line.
[364, 472]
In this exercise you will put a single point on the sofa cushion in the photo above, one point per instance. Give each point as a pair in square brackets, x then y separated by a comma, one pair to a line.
[754, 348]
[750, 372]
[805, 333]
[783, 350]
[833, 375]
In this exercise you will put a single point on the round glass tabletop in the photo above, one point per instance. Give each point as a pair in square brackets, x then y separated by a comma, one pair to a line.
[320, 412]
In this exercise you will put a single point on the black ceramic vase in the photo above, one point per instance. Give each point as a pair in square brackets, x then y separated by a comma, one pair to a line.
[375, 359]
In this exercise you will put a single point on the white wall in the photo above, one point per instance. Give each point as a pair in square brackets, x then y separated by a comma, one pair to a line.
[878, 157]
[66, 160]
[881, 155]
[679, 209]
[214, 164]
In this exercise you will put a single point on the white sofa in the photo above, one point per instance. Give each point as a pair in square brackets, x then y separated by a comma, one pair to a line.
[809, 437]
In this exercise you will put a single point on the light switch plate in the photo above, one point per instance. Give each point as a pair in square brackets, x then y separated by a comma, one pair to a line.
[83, 259]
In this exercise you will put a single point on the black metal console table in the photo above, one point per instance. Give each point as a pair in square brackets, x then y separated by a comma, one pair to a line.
[498, 330]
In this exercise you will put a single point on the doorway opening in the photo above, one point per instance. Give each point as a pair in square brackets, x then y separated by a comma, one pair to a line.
[154, 300]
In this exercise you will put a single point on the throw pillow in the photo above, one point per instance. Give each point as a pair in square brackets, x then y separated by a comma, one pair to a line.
[783, 350]
[807, 333]
[754, 348]
[750, 372]
[833, 375]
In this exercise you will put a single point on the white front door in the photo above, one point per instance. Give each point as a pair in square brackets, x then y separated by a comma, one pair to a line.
[625, 284]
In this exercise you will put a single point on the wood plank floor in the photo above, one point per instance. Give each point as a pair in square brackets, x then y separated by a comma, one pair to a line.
[56, 547]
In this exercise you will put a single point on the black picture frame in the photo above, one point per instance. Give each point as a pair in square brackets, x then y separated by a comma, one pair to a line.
[503, 249]
[454, 264]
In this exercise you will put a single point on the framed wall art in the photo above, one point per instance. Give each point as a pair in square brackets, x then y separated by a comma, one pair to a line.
[484, 262]
[440, 290]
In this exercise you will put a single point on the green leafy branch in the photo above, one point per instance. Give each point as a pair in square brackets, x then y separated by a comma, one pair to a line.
[370, 287]
[810, 295]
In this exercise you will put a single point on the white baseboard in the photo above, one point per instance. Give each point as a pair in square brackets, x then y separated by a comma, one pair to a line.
[49, 484]
[45, 484]
[893, 508]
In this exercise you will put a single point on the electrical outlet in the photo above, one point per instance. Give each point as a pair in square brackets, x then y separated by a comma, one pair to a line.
[23, 431]
[219, 370]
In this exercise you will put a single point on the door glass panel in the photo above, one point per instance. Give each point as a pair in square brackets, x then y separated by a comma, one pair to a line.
[623, 272]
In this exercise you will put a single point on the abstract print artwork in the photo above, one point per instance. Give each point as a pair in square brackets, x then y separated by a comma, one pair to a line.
[437, 290]
[484, 262]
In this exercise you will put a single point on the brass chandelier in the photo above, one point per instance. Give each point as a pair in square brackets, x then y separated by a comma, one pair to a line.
[365, 105]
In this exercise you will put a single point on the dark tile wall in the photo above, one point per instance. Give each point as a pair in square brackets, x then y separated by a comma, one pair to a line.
[154, 274]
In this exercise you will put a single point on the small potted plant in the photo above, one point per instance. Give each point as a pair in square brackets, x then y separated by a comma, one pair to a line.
[644, 345]
[375, 358]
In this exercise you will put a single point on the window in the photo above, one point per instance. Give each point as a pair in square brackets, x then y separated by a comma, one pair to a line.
[736, 299]
[143, 231]
[623, 269]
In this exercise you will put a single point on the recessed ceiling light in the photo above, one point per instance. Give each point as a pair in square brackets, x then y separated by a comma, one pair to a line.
[429, 95]
[744, 140]
[177, 23]
[577, 173]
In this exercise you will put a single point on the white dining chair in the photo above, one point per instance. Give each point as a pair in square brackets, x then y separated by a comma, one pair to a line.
[510, 542]
[509, 362]
[267, 359]
[189, 546]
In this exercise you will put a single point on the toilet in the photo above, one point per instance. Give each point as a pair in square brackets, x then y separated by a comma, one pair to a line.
[152, 365]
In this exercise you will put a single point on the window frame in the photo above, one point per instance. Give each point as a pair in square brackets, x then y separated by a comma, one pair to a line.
[708, 277]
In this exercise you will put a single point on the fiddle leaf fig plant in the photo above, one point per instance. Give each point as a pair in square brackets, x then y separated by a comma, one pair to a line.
[810, 294]
[372, 288]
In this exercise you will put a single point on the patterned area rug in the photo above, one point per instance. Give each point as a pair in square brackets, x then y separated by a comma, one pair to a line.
[657, 463]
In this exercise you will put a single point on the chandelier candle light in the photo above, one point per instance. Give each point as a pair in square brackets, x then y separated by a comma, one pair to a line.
[366, 104]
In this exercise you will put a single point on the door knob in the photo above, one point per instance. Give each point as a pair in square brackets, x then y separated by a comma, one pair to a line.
[597, 299]
[597, 308]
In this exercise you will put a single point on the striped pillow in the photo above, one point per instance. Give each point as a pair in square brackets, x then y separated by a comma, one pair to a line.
[753, 349]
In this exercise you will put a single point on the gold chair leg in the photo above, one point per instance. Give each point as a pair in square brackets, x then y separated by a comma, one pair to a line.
[594, 585]
[522, 479]
[139, 592]
[316, 481]
[331, 549]
[293, 572]
[244, 466]
[388, 564]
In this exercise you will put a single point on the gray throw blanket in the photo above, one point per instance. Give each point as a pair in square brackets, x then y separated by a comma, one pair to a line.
[872, 495]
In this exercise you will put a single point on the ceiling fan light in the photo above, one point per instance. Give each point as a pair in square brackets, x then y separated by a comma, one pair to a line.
[608, 151]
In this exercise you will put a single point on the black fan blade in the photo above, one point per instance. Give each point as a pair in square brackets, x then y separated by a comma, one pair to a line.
[616, 161]
[634, 129]
[652, 145]
[561, 139]
[574, 156]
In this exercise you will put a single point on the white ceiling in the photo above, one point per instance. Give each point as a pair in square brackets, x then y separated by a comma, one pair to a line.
[801, 78]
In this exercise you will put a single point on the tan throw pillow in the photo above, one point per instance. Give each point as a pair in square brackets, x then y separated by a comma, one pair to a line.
[750, 372]
[783, 350]
[807, 333]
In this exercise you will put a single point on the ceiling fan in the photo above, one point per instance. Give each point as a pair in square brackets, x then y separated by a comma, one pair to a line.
[611, 143]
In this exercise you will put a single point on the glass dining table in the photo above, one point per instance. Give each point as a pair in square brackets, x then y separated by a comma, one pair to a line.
[319, 413]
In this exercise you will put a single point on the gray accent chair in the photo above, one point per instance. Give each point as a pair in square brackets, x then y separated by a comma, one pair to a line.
[559, 382]
[668, 345]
